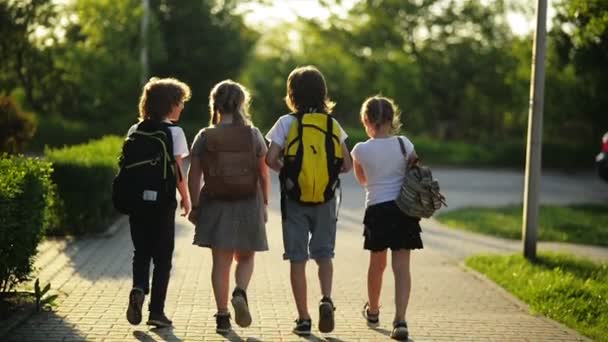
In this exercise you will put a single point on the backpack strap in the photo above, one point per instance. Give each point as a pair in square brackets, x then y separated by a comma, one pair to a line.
[401, 145]
[407, 164]
[331, 155]
[297, 165]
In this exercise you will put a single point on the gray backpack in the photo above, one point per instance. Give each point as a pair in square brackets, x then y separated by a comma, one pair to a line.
[419, 195]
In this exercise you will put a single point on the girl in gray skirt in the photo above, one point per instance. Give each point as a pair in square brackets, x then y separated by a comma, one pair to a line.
[230, 211]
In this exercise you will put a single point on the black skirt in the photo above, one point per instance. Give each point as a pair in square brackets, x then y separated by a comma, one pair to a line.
[388, 227]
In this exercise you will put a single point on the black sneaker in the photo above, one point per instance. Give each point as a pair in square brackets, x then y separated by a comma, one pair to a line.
[302, 327]
[400, 331]
[222, 323]
[371, 318]
[136, 301]
[242, 316]
[159, 320]
[326, 315]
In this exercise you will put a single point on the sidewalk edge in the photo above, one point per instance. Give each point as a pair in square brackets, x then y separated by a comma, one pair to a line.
[519, 303]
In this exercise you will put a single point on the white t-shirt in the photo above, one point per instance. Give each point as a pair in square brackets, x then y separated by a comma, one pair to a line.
[384, 166]
[278, 132]
[180, 145]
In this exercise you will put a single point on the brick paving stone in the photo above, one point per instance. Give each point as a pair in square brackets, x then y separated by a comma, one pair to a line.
[447, 303]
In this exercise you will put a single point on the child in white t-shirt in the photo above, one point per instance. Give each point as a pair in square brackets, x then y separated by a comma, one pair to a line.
[380, 164]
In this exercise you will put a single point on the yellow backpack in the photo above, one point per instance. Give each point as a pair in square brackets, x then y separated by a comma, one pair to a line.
[312, 159]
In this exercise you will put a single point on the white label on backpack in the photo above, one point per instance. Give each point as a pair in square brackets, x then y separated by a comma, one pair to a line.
[150, 195]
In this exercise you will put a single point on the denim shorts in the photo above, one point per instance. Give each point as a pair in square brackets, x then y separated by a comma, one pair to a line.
[309, 231]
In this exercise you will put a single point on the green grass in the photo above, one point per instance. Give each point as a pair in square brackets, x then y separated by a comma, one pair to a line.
[584, 224]
[562, 287]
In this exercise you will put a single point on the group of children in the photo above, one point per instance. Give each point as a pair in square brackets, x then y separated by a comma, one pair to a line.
[234, 228]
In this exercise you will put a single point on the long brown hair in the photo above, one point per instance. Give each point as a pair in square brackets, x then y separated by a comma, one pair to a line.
[159, 96]
[229, 97]
[307, 91]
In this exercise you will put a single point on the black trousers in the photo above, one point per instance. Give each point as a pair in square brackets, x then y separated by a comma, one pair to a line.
[153, 236]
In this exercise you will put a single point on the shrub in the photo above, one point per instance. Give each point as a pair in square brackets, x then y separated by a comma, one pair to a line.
[27, 208]
[83, 174]
[16, 127]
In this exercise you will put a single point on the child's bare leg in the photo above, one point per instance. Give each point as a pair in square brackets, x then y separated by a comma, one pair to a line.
[326, 273]
[220, 277]
[298, 286]
[244, 268]
[377, 264]
[403, 282]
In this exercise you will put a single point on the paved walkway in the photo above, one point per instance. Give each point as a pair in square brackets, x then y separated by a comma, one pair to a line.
[447, 302]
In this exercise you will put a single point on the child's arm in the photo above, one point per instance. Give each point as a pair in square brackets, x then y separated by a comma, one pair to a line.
[412, 158]
[194, 186]
[265, 184]
[359, 173]
[181, 186]
[273, 157]
[347, 163]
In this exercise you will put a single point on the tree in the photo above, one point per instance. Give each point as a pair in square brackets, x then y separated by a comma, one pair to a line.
[16, 127]
[26, 50]
[579, 69]
[204, 42]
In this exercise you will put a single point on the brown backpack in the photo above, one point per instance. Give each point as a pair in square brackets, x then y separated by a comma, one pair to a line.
[229, 163]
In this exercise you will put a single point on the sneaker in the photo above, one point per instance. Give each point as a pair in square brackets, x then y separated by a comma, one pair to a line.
[302, 327]
[242, 316]
[222, 323]
[136, 301]
[373, 319]
[159, 320]
[400, 332]
[326, 315]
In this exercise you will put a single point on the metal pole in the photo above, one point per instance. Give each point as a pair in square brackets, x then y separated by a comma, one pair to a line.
[143, 57]
[535, 129]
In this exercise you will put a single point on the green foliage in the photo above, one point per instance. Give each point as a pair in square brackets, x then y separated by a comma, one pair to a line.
[42, 300]
[83, 174]
[204, 42]
[27, 209]
[16, 126]
[584, 224]
[28, 58]
[505, 152]
[57, 131]
[457, 71]
[578, 63]
[564, 288]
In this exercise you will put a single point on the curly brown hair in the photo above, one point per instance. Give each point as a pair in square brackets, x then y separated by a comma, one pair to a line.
[307, 91]
[378, 110]
[159, 96]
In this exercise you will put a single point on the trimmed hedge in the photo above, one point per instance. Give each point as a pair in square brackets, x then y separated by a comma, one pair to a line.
[27, 208]
[83, 174]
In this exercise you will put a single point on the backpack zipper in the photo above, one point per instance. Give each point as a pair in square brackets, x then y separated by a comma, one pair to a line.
[149, 161]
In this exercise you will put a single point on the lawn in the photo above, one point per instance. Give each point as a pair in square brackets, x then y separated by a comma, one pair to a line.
[584, 224]
[567, 289]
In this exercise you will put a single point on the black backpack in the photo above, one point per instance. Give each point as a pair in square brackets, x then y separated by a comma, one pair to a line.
[147, 175]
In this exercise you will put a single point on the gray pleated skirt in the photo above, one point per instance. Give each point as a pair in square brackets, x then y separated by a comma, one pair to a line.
[236, 225]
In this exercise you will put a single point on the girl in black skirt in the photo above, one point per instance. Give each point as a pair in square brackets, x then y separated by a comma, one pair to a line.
[380, 167]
